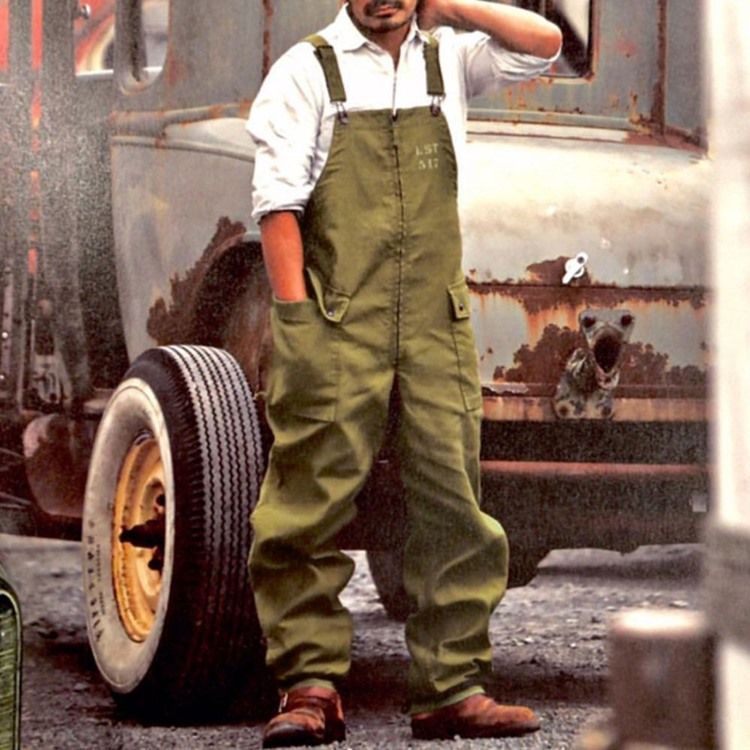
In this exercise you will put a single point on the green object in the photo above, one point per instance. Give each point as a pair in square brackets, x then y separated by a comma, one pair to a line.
[390, 311]
[10, 666]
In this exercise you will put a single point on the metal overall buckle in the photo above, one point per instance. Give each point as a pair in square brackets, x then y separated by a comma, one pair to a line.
[341, 113]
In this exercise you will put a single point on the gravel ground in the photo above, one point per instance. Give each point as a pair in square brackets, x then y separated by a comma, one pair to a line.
[549, 639]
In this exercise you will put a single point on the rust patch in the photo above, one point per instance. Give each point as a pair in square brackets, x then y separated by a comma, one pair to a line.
[545, 361]
[541, 297]
[174, 70]
[672, 138]
[172, 324]
[215, 111]
[641, 364]
[626, 47]
[243, 108]
[516, 95]
[224, 301]
[550, 272]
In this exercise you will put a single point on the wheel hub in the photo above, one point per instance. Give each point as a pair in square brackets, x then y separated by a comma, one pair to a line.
[138, 536]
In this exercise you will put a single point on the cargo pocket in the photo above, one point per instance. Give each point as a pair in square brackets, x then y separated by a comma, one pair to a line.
[305, 370]
[466, 350]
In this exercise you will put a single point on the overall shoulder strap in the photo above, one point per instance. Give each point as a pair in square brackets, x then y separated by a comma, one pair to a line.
[327, 59]
[435, 85]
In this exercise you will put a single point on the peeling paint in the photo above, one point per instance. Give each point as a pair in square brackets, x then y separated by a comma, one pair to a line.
[224, 301]
[551, 272]
[536, 299]
[544, 362]
[641, 364]
[174, 323]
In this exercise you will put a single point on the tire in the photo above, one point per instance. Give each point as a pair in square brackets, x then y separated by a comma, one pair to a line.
[386, 568]
[175, 470]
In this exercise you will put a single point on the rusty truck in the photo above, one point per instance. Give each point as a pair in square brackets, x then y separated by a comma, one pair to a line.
[135, 344]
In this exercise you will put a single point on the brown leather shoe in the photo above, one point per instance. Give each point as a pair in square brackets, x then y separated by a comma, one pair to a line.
[477, 716]
[307, 716]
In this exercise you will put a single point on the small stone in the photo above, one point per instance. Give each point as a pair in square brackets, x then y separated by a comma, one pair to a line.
[679, 604]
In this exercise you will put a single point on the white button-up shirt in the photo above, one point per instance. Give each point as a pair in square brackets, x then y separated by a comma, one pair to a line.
[292, 118]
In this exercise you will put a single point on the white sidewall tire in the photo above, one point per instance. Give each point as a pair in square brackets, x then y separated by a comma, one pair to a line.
[122, 661]
[202, 637]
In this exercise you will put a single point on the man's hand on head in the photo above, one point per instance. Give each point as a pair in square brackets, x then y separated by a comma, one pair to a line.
[431, 13]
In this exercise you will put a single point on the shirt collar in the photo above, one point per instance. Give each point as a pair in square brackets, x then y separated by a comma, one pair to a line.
[351, 38]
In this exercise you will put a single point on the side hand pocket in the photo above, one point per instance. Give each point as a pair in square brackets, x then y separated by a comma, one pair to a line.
[304, 374]
[466, 350]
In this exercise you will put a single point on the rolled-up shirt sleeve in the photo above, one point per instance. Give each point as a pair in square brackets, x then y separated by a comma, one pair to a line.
[283, 123]
[488, 65]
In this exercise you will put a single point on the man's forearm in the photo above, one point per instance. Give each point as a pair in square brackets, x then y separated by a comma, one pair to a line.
[283, 255]
[516, 29]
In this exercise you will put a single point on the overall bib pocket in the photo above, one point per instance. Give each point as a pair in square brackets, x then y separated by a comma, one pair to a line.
[305, 369]
[463, 341]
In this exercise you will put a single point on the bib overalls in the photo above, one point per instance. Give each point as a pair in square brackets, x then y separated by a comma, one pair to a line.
[390, 308]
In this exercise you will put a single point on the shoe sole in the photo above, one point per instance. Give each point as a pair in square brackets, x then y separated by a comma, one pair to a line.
[290, 735]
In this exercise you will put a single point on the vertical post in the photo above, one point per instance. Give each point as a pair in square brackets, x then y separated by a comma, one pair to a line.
[58, 153]
[16, 139]
[728, 568]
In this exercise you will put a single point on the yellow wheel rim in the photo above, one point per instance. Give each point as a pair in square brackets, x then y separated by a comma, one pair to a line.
[138, 536]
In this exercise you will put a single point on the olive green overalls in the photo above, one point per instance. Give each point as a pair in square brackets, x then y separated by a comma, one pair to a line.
[390, 308]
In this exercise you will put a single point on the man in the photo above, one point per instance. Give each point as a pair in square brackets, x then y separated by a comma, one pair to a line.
[355, 192]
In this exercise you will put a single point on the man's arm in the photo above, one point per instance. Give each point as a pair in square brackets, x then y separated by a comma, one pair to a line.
[283, 255]
[515, 29]
[283, 123]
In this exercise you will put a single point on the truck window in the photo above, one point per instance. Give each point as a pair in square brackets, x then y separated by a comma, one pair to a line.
[94, 29]
[154, 25]
[574, 19]
[94, 33]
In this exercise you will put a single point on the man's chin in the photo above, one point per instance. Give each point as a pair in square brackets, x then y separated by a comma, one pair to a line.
[381, 24]
[389, 23]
